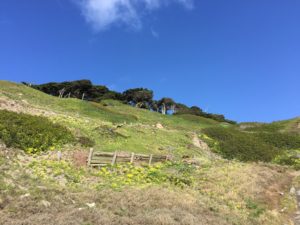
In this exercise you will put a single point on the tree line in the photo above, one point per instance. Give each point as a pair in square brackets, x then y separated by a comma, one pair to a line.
[137, 97]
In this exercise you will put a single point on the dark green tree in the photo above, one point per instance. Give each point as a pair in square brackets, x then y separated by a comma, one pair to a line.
[139, 97]
[166, 104]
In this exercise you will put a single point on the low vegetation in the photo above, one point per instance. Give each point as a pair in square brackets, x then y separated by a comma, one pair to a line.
[166, 194]
[197, 187]
[32, 133]
[234, 144]
[266, 144]
[283, 141]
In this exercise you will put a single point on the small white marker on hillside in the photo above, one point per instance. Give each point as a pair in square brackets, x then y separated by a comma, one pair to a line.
[59, 155]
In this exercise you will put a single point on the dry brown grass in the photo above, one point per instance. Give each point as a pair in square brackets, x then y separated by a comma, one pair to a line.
[218, 198]
[235, 183]
[154, 205]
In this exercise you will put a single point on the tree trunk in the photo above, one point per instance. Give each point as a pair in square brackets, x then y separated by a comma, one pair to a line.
[163, 109]
[173, 108]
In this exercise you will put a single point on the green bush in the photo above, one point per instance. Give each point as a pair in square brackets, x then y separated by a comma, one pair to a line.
[290, 158]
[31, 133]
[280, 140]
[235, 144]
[86, 142]
[255, 208]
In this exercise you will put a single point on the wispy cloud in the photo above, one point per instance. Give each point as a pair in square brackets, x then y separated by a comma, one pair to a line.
[154, 33]
[101, 14]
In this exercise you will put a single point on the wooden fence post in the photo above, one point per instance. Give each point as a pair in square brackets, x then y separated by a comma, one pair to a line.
[114, 159]
[150, 159]
[98, 159]
[132, 157]
[90, 156]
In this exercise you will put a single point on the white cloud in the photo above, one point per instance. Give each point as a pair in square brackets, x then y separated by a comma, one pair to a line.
[101, 14]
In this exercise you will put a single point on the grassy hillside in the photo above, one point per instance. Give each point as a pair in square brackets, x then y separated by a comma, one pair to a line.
[203, 188]
[112, 125]
[292, 125]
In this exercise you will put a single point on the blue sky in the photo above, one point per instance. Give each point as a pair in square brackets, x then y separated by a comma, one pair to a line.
[238, 58]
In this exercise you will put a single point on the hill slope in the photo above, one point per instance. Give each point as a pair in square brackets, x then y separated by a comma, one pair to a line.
[36, 189]
[112, 125]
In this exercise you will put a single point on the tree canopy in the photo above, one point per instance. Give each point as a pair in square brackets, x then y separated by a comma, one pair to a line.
[138, 97]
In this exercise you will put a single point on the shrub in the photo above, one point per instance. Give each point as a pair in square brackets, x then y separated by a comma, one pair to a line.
[280, 140]
[86, 142]
[241, 145]
[255, 209]
[31, 133]
[290, 158]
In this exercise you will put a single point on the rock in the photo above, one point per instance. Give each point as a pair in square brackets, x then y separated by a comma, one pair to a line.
[91, 205]
[293, 190]
[21, 158]
[25, 196]
[45, 203]
[2, 145]
[61, 180]
[159, 126]
[283, 210]
[42, 187]
[58, 199]
[191, 161]
[59, 156]
[199, 143]
[22, 188]
[9, 182]
[166, 148]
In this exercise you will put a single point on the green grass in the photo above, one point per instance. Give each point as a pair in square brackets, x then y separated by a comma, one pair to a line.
[112, 125]
[291, 125]
[136, 127]
[69, 106]
[109, 110]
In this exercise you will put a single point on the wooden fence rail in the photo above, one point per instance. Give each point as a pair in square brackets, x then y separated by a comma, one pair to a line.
[98, 159]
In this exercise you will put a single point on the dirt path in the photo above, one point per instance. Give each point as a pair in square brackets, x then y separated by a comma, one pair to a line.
[297, 216]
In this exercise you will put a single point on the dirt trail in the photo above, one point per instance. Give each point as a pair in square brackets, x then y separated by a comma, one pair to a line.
[296, 192]
[297, 216]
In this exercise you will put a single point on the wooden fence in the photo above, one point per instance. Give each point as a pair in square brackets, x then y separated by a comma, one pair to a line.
[98, 159]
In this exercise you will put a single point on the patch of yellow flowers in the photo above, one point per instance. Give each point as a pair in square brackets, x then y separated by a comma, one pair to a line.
[129, 175]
